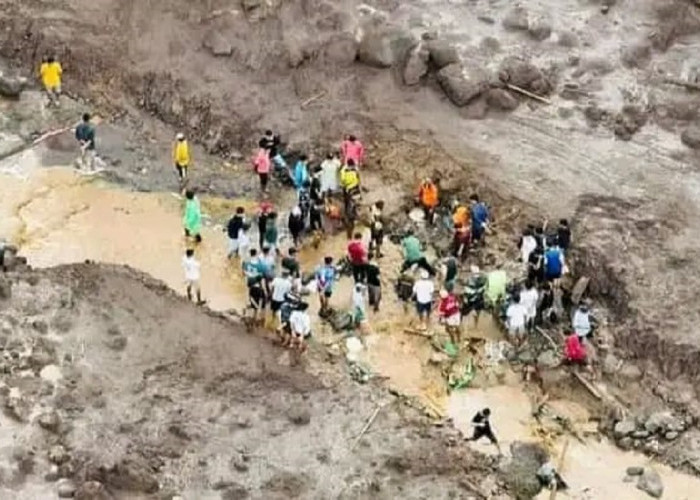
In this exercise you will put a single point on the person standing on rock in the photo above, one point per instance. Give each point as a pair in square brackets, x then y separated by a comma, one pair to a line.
[480, 218]
[85, 135]
[330, 169]
[193, 217]
[482, 428]
[261, 163]
[413, 254]
[181, 158]
[192, 275]
[51, 74]
[352, 149]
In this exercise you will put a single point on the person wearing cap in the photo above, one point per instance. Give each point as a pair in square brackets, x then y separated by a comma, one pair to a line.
[428, 197]
[413, 254]
[193, 217]
[448, 310]
[181, 157]
[423, 291]
[582, 321]
[295, 224]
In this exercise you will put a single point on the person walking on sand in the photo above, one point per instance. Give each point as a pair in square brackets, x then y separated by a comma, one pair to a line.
[181, 158]
[85, 135]
[51, 74]
[236, 231]
[193, 217]
[482, 428]
[413, 254]
[330, 169]
[423, 291]
[352, 149]
[374, 284]
[448, 310]
[192, 275]
[261, 163]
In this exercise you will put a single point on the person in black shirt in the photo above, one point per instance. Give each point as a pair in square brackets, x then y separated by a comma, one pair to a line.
[257, 302]
[564, 235]
[374, 284]
[271, 142]
[291, 264]
[315, 187]
[295, 223]
[233, 229]
[482, 428]
[535, 265]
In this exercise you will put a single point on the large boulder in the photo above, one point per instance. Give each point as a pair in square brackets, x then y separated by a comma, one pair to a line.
[691, 136]
[11, 85]
[461, 84]
[442, 54]
[524, 75]
[539, 29]
[384, 47]
[416, 66]
[624, 428]
[501, 99]
[217, 44]
[650, 483]
[341, 50]
[516, 19]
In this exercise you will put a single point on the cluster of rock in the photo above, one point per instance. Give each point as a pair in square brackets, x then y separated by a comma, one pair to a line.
[649, 433]
[648, 480]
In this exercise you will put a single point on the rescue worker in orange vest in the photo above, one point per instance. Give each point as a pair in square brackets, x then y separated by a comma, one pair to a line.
[428, 198]
[460, 215]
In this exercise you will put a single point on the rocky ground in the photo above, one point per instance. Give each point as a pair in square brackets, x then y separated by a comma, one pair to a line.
[436, 85]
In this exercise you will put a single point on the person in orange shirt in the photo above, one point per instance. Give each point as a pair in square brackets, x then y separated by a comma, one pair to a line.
[428, 197]
[51, 73]
[460, 215]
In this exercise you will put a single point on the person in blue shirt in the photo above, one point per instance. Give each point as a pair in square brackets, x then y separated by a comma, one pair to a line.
[325, 279]
[553, 262]
[251, 268]
[479, 218]
[300, 175]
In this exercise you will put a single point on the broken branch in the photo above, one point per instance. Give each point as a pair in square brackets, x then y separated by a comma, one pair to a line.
[313, 98]
[594, 392]
[366, 427]
[527, 93]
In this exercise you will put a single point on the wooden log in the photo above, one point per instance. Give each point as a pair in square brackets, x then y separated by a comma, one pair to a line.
[366, 427]
[527, 93]
[594, 392]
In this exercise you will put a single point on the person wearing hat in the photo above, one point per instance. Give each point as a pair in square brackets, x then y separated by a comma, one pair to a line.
[181, 157]
[423, 290]
[448, 310]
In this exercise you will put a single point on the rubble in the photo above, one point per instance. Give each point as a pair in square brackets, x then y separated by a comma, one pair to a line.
[441, 54]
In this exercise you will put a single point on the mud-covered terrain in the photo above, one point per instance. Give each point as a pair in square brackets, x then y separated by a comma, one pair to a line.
[112, 383]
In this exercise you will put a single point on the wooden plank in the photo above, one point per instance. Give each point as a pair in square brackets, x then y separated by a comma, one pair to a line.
[588, 386]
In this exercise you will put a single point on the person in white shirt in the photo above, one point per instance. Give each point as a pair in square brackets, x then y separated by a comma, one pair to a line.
[359, 309]
[582, 321]
[300, 325]
[329, 173]
[280, 287]
[528, 298]
[515, 320]
[192, 275]
[423, 291]
[528, 243]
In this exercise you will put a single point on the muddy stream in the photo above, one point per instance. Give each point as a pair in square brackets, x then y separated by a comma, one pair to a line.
[56, 215]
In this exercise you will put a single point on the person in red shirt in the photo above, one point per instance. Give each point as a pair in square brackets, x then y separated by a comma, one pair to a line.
[574, 350]
[448, 310]
[357, 255]
[261, 163]
[461, 241]
[352, 149]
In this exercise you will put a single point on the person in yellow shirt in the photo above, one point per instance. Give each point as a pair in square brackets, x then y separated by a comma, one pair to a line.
[349, 178]
[51, 73]
[181, 157]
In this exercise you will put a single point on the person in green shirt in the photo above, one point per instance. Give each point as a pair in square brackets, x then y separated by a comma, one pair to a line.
[271, 233]
[413, 254]
[193, 217]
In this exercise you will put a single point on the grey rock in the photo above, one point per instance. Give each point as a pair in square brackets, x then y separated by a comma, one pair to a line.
[641, 434]
[610, 362]
[567, 39]
[548, 359]
[217, 44]
[691, 137]
[516, 19]
[539, 29]
[525, 75]
[11, 85]
[661, 421]
[442, 53]
[65, 488]
[461, 84]
[49, 420]
[341, 50]
[416, 65]
[637, 55]
[671, 435]
[630, 373]
[299, 416]
[116, 343]
[384, 48]
[624, 428]
[635, 471]
[651, 446]
[626, 443]
[501, 99]
[92, 490]
[58, 455]
[52, 474]
[650, 483]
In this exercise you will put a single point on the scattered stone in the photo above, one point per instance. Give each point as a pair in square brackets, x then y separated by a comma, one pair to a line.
[662, 421]
[217, 44]
[58, 455]
[416, 65]
[641, 434]
[637, 55]
[116, 343]
[630, 373]
[384, 48]
[65, 488]
[567, 39]
[17, 408]
[691, 136]
[549, 359]
[651, 446]
[131, 474]
[540, 29]
[490, 44]
[341, 50]
[11, 86]
[516, 19]
[240, 463]
[299, 416]
[461, 85]
[50, 421]
[442, 54]
[650, 483]
[24, 459]
[486, 19]
[671, 435]
[629, 121]
[524, 75]
[235, 492]
[635, 471]
[40, 326]
[626, 443]
[52, 474]
[624, 428]
[92, 490]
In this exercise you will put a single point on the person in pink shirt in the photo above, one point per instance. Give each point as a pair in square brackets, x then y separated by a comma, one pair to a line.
[352, 149]
[261, 163]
